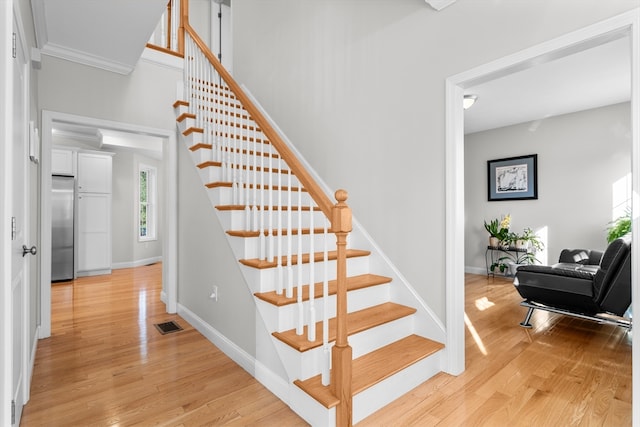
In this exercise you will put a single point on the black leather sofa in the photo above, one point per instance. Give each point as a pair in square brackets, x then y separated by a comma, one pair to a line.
[584, 283]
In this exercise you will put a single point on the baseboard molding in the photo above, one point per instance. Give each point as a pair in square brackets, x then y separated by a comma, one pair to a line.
[32, 360]
[238, 355]
[475, 270]
[261, 373]
[138, 263]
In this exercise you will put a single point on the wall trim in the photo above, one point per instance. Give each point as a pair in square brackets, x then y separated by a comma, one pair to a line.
[138, 263]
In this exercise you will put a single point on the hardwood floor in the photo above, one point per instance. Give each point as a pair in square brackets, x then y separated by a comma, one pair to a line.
[563, 372]
[105, 364]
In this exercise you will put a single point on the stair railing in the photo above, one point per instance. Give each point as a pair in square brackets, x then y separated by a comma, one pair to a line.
[220, 107]
[166, 37]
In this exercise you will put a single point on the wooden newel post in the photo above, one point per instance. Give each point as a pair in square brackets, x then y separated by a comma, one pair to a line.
[341, 356]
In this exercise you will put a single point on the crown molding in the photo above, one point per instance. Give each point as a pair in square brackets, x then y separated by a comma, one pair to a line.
[85, 58]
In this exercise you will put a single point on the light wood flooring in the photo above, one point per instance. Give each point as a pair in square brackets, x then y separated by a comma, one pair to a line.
[105, 364]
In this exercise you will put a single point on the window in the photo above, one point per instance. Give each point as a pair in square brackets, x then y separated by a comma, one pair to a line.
[147, 212]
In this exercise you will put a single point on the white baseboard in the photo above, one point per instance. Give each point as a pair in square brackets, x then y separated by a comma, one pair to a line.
[261, 373]
[234, 352]
[32, 360]
[475, 270]
[138, 263]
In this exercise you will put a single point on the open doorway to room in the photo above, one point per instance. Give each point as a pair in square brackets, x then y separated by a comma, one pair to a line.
[622, 27]
[139, 151]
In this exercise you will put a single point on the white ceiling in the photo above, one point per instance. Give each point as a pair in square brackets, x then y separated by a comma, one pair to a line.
[595, 77]
[105, 34]
[112, 35]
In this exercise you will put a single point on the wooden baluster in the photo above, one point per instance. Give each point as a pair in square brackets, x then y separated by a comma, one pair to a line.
[279, 275]
[255, 183]
[300, 323]
[326, 361]
[342, 353]
[263, 252]
[247, 208]
[234, 135]
[289, 286]
[311, 330]
[224, 152]
[270, 254]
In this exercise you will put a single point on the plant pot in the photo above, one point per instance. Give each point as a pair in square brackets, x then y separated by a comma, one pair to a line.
[513, 268]
[521, 244]
[494, 242]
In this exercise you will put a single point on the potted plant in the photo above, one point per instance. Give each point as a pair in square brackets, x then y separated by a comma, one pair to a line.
[531, 240]
[619, 227]
[498, 230]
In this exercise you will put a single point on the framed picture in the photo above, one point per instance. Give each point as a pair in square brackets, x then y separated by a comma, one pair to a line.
[513, 178]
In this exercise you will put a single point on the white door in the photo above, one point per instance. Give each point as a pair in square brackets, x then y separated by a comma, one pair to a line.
[20, 232]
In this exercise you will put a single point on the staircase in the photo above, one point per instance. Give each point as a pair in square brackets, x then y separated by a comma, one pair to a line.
[286, 247]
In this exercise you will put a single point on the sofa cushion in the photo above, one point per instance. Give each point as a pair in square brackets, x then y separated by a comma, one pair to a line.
[612, 261]
[580, 256]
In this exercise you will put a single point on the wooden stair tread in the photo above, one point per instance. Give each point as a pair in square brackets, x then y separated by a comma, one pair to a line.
[357, 321]
[353, 283]
[211, 163]
[317, 257]
[283, 232]
[374, 367]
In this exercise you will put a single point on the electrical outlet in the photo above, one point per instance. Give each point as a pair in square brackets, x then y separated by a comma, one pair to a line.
[214, 293]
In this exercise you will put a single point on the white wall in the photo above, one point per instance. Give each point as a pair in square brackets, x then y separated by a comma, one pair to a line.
[145, 97]
[359, 89]
[580, 158]
[206, 260]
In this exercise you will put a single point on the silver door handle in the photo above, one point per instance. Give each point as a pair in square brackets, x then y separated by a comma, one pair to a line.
[26, 250]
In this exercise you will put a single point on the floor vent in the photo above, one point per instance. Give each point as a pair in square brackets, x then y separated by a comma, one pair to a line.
[168, 327]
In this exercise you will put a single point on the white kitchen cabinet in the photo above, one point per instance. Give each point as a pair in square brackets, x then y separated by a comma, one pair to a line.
[94, 213]
[94, 234]
[94, 173]
[62, 162]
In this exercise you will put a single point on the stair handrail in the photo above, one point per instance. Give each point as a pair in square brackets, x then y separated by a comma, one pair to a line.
[314, 189]
[338, 214]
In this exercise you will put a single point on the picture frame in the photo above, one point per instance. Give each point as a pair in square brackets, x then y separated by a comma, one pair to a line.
[513, 178]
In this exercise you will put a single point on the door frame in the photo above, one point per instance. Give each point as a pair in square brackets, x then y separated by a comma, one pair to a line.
[628, 24]
[10, 11]
[169, 242]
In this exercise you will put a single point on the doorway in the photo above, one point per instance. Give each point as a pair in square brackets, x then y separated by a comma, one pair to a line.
[169, 275]
[628, 25]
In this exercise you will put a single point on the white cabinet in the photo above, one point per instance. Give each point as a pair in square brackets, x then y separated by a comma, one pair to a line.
[94, 173]
[94, 213]
[62, 162]
[94, 233]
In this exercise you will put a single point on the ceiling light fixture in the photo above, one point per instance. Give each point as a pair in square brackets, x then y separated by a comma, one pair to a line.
[468, 101]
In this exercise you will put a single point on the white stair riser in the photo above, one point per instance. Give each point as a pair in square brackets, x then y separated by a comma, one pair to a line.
[236, 219]
[309, 363]
[310, 410]
[249, 247]
[224, 196]
[286, 317]
[239, 173]
[264, 280]
[372, 399]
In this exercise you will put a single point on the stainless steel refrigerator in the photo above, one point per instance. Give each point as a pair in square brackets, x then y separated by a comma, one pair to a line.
[62, 201]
